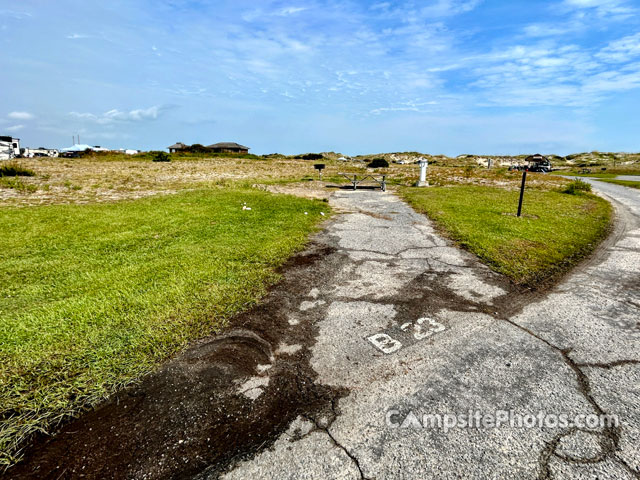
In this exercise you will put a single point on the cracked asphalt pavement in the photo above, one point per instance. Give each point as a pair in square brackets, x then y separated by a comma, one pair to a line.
[408, 325]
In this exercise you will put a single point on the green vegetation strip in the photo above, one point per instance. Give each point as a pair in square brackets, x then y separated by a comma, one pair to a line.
[557, 230]
[624, 183]
[93, 296]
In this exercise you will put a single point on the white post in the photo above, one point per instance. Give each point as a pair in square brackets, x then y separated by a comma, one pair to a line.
[423, 173]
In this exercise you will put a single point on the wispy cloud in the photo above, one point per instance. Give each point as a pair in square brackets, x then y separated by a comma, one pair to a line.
[617, 9]
[14, 128]
[290, 11]
[77, 36]
[21, 116]
[115, 115]
[15, 14]
[622, 50]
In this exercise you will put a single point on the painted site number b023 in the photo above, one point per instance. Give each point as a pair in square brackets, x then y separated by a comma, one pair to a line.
[396, 337]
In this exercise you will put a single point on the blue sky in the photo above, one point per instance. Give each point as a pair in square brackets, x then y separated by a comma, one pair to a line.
[437, 76]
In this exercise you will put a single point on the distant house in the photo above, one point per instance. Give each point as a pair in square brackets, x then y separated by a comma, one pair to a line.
[176, 147]
[9, 147]
[228, 147]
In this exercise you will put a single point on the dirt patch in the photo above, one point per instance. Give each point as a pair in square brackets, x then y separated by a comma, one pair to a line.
[194, 414]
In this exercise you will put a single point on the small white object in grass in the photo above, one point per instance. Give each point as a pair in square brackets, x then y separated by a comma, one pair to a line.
[322, 213]
[306, 213]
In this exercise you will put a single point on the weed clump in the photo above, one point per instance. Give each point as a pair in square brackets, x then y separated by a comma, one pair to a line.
[13, 169]
[577, 186]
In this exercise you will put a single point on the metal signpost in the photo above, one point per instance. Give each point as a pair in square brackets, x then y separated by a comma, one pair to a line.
[524, 179]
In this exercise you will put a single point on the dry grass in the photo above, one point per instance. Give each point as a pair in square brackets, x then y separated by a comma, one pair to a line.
[97, 180]
[90, 180]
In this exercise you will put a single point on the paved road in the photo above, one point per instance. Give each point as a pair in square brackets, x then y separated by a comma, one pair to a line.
[411, 326]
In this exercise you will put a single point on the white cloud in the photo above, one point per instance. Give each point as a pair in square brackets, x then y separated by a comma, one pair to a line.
[21, 116]
[290, 11]
[14, 14]
[616, 9]
[77, 36]
[115, 115]
[14, 128]
[444, 8]
[621, 50]
[549, 75]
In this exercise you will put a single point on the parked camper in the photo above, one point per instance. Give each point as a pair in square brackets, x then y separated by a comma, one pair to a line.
[39, 152]
[9, 147]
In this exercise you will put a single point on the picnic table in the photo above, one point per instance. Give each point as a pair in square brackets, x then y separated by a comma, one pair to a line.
[356, 180]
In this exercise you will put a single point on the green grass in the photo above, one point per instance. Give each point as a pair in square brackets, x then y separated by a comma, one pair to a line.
[17, 184]
[13, 169]
[625, 183]
[93, 296]
[557, 230]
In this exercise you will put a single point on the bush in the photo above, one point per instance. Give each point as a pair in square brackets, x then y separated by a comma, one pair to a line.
[378, 163]
[197, 148]
[311, 156]
[12, 169]
[160, 157]
[576, 187]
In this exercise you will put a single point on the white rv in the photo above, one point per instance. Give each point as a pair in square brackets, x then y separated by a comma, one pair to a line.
[40, 152]
[9, 147]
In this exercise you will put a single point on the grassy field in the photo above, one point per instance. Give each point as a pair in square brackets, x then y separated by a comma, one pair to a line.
[93, 296]
[557, 230]
[624, 183]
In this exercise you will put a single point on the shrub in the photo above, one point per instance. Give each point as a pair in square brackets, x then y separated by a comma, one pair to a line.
[160, 157]
[576, 187]
[12, 169]
[311, 156]
[378, 163]
[197, 148]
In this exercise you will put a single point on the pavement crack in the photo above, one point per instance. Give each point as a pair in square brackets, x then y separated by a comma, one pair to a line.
[627, 467]
[611, 433]
[325, 428]
[609, 365]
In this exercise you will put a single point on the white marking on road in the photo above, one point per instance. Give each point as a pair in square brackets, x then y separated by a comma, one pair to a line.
[423, 328]
[385, 343]
[419, 331]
